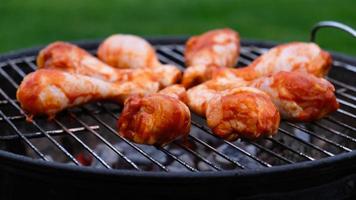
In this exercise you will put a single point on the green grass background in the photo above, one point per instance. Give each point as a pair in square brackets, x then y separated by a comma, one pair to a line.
[27, 23]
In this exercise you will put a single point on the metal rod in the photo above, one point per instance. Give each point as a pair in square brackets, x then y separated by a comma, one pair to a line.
[205, 129]
[346, 103]
[245, 52]
[344, 112]
[319, 137]
[353, 98]
[17, 69]
[290, 149]
[29, 63]
[208, 162]
[341, 84]
[258, 50]
[331, 130]
[60, 147]
[186, 165]
[39, 134]
[18, 132]
[172, 53]
[162, 57]
[65, 129]
[271, 152]
[306, 143]
[15, 85]
[115, 117]
[217, 152]
[130, 162]
[331, 24]
[349, 67]
[332, 119]
[180, 48]
[14, 117]
[126, 141]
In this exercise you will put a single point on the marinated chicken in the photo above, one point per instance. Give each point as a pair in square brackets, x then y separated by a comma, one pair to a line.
[233, 110]
[177, 91]
[237, 103]
[243, 112]
[295, 56]
[213, 49]
[216, 48]
[155, 119]
[47, 91]
[198, 74]
[129, 51]
[299, 96]
[199, 96]
[71, 58]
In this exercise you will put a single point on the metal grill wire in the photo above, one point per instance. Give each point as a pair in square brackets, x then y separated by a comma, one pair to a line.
[93, 125]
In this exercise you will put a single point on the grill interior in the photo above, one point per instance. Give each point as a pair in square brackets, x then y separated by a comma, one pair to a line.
[86, 135]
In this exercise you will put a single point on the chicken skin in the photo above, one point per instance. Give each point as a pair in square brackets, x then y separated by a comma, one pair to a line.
[177, 91]
[71, 58]
[129, 51]
[195, 75]
[290, 57]
[68, 57]
[242, 112]
[155, 119]
[295, 56]
[48, 91]
[199, 96]
[233, 110]
[299, 96]
[213, 49]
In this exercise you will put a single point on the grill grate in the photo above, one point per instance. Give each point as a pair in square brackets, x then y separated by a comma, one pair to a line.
[89, 132]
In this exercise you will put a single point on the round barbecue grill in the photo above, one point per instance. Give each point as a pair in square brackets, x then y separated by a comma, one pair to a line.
[79, 152]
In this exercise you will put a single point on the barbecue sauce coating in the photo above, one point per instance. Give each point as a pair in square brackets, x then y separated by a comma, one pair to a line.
[300, 96]
[46, 91]
[127, 51]
[28, 94]
[199, 96]
[213, 49]
[177, 91]
[242, 113]
[294, 56]
[155, 119]
[70, 58]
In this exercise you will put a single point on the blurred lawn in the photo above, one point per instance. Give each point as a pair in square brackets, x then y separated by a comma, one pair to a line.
[32, 22]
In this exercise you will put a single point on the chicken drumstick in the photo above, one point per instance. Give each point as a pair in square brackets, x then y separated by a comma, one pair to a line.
[206, 52]
[155, 119]
[48, 91]
[234, 111]
[129, 51]
[299, 96]
[71, 58]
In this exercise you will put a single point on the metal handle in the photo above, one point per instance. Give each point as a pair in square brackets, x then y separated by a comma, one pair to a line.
[331, 24]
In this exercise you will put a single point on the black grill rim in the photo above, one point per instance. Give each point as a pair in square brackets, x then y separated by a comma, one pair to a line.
[18, 164]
